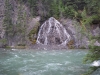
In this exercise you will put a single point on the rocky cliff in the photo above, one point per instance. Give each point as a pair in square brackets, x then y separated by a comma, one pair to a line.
[15, 23]
[67, 34]
[19, 28]
[81, 37]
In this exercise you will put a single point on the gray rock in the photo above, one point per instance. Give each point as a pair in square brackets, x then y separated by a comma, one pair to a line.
[52, 32]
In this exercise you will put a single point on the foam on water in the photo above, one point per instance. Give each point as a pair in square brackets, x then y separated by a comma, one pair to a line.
[96, 63]
[30, 62]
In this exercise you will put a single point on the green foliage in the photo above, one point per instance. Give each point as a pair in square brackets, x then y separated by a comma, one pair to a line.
[69, 11]
[11, 29]
[8, 47]
[88, 17]
[85, 20]
[93, 6]
[7, 22]
[20, 27]
[32, 6]
[21, 22]
[21, 44]
[62, 8]
[4, 41]
[93, 55]
[33, 33]
[35, 29]
[54, 9]
[91, 70]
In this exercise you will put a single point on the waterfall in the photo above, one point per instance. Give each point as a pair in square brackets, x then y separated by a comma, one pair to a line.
[52, 32]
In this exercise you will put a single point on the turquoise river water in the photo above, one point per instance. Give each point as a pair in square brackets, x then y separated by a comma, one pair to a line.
[42, 62]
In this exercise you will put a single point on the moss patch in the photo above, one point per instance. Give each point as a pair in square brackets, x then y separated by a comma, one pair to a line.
[20, 47]
[33, 33]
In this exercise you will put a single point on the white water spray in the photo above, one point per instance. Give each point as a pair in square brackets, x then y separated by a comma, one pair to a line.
[52, 32]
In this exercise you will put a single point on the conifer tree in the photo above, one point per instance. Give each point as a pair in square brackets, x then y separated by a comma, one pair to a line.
[7, 22]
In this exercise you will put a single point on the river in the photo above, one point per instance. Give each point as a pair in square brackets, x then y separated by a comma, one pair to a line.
[42, 62]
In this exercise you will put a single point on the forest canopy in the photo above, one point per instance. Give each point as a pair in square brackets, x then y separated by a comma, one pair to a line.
[62, 8]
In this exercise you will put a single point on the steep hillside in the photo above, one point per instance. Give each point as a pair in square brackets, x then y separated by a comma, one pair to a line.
[15, 21]
[20, 21]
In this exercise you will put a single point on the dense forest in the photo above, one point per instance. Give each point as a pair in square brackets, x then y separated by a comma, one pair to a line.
[79, 9]
[85, 12]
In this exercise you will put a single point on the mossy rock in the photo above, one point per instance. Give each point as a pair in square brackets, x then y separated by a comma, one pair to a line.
[33, 33]
[20, 47]
[21, 44]
[70, 44]
[34, 41]
[8, 47]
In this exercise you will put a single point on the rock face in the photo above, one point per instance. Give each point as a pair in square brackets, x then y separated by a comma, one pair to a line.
[52, 32]
[23, 29]
[10, 34]
[80, 37]
[2, 31]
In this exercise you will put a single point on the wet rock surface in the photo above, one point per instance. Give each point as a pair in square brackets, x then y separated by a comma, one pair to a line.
[52, 33]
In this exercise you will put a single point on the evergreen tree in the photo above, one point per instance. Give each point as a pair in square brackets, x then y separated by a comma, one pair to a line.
[32, 6]
[7, 23]
[21, 24]
[93, 55]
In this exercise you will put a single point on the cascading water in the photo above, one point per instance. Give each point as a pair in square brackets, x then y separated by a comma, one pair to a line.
[52, 32]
